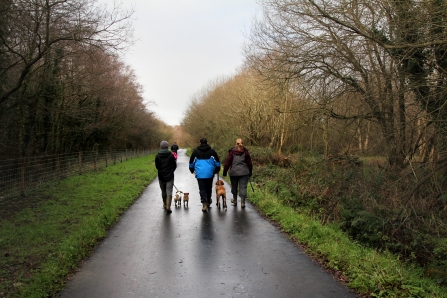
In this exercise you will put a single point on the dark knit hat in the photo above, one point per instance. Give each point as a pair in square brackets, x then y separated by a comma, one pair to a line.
[164, 145]
[203, 141]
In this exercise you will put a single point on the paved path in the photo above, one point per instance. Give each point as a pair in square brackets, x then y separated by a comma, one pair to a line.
[233, 253]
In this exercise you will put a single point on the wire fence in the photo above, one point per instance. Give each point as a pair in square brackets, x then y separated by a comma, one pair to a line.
[19, 177]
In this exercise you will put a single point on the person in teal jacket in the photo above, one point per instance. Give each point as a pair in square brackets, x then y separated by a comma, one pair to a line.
[204, 162]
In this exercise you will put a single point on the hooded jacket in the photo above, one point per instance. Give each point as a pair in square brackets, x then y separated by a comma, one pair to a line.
[204, 162]
[166, 164]
[238, 163]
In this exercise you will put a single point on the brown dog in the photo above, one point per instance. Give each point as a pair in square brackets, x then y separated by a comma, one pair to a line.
[185, 199]
[221, 192]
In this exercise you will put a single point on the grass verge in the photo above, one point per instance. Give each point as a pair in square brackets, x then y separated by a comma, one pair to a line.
[41, 245]
[368, 272]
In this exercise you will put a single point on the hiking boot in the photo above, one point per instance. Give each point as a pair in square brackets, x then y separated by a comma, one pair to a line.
[234, 201]
[242, 202]
[204, 207]
[168, 204]
[209, 201]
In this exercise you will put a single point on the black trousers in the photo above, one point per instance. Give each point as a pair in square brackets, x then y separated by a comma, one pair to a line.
[205, 188]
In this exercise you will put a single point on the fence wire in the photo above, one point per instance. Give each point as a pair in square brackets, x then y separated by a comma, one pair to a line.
[22, 176]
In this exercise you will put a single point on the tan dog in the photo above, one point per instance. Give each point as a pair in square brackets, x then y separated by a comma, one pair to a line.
[185, 199]
[221, 192]
[178, 198]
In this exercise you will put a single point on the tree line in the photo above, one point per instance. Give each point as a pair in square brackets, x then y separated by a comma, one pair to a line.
[63, 87]
[363, 77]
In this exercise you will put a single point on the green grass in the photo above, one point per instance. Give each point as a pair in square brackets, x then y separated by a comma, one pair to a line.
[367, 271]
[41, 245]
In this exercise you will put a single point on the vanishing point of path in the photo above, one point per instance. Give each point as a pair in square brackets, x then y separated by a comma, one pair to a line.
[233, 253]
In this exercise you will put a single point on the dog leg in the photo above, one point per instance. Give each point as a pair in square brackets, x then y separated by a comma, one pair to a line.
[224, 200]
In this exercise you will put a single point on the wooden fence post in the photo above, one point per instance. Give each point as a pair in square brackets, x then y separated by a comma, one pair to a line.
[80, 162]
[22, 177]
[58, 168]
[94, 159]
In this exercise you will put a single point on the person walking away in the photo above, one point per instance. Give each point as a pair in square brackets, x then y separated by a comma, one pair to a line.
[204, 162]
[166, 165]
[239, 166]
[174, 149]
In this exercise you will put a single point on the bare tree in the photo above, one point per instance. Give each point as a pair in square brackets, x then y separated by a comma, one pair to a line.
[372, 49]
[244, 106]
[36, 27]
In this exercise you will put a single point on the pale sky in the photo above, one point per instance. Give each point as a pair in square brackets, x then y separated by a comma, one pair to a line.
[183, 45]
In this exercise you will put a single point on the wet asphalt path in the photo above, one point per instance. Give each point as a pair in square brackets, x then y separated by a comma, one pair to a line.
[233, 253]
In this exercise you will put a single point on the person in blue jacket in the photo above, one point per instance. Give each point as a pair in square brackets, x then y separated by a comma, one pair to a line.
[204, 162]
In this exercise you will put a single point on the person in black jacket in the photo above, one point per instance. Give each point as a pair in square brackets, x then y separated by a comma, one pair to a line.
[166, 165]
[174, 147]
[204, 162]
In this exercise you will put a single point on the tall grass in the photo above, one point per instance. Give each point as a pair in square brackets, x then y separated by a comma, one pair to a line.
[42, 244]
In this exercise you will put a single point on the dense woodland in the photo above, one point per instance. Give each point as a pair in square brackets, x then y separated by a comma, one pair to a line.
[63, 87]
[349, 81]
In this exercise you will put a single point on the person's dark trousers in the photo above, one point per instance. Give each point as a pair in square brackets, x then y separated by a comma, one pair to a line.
[205, 188]
[239, 185]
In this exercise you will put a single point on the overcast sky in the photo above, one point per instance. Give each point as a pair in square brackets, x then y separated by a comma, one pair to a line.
[183, 45]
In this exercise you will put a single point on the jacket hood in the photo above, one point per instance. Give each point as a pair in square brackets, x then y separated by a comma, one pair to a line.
[204, 147]
[164, 152]
[237, 152]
